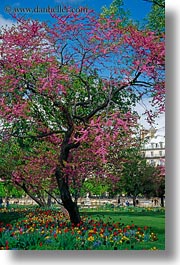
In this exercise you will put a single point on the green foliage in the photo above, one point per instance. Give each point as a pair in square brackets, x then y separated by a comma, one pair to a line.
[116, 9]
[156, 17]
[95, 187]
[2, 190]
[7, 189]
[137, 175]
[155, 20]
[9, 159]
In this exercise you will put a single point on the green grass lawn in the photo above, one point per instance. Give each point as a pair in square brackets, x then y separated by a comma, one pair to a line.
[153, 219]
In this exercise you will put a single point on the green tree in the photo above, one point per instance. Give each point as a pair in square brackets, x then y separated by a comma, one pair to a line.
[159, 183]
[24, 156]
[7, 189]
[136, 175]
[95, 186]
[156, 18]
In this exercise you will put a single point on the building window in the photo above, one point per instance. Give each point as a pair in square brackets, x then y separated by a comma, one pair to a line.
[161, 144]
[152, 153]
[160, 153]
[152, 162]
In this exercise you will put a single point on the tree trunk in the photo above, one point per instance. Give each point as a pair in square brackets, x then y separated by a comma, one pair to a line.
[63, 186]
[162, 201]
[49, 201]
[66, 198]
[134, 201]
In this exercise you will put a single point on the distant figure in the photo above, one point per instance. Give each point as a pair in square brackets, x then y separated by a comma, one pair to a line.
[7, 202]
[127, 203]
[119, 201]
[155, 202]
[1, 202]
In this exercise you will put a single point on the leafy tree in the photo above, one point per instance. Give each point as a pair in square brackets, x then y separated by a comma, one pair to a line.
[136, 176]
[117, 10]
[155, 20]
[27, 168]
[72, 85]
[95, 186]
[156, 17]
[159, 183]
[9, 190]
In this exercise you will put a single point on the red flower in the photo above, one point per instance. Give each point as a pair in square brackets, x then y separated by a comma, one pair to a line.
[7, 247]
[40, 244]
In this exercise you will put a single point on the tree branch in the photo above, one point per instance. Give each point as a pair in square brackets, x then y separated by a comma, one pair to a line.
[53, 197]
[156, 3]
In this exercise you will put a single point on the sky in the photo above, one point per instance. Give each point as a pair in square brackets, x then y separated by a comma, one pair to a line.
[138, 8]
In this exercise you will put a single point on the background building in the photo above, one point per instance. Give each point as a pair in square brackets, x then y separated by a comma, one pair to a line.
[153, 148]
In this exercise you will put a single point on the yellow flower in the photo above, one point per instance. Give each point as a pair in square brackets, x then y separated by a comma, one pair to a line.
[90, 238]
[154, 248]
[92, 231]
[125, 238]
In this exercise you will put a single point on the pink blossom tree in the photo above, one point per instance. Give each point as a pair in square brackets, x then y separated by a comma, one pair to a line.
[73, 83]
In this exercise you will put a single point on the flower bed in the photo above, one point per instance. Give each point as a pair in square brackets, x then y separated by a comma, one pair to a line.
[50, 229]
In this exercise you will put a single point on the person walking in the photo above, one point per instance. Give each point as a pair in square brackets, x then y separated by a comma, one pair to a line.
[1, 202]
